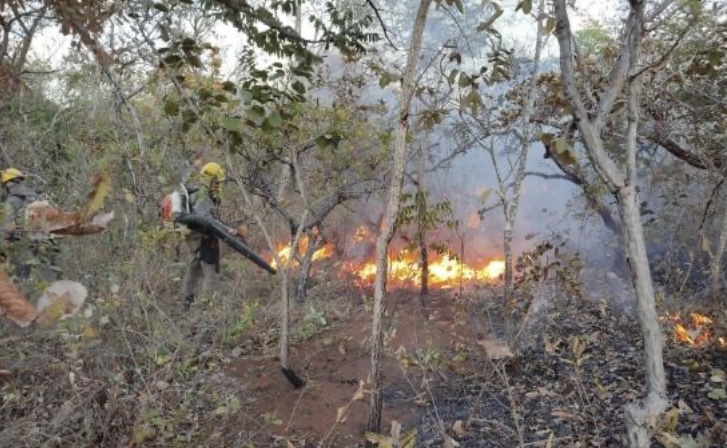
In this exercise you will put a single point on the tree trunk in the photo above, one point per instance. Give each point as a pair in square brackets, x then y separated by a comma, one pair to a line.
[423, 249]
[386, 230]
[716, 267]
[512, 209]
[284, 273]
[639, 421]
[305, 267]
[640, 418]
[421, 200]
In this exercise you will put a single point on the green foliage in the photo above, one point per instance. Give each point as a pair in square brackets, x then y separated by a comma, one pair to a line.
[313, 322]
[436, 215]
[594, 38]
[245, 321]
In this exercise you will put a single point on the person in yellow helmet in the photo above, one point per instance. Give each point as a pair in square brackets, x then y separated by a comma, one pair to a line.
[204, 265]
[40, 254]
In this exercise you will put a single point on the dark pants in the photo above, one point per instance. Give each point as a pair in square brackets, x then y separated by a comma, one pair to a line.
[203, 266]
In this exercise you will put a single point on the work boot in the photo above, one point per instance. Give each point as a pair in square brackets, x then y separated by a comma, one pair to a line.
[188, 300]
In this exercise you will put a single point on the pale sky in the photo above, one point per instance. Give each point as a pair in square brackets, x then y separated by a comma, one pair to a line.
[52, 46]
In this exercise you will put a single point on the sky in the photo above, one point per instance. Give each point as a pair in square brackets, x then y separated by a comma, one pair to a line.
[52, 46]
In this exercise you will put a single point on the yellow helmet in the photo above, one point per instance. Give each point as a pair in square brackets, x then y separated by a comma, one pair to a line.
[213, 170]
[10, 174]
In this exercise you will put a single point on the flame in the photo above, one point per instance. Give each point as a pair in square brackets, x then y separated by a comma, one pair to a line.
[444, 270]
[697, 332]
[284, 251]
[361, 235]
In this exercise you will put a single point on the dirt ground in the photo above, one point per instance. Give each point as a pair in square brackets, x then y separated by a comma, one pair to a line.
[335, 361]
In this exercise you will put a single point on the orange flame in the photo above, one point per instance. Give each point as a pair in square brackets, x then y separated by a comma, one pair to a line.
[284, 251]
[404, 267]
[697, 332]
[444, 271]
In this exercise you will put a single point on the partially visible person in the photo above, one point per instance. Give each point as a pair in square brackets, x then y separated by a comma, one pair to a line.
[203, 197]
[31, 260]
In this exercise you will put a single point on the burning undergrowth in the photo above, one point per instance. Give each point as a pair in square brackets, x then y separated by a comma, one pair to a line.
[354, 258]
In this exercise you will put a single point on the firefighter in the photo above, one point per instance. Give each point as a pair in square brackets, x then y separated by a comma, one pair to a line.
[32, 259]
[204, 265]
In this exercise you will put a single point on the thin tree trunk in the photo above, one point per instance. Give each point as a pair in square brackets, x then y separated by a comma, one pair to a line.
[512, 209]
[641, 418]
[716, 267]
[421, 222]
[284, 273]
[386, 230]
[305, 267]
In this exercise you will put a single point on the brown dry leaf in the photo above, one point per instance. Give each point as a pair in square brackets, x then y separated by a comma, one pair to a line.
[341, 414]
[551, 346]
[359, 395]
[450, 442]
[64, 298]
[495, 349]
[557, 413]
[458, 429]
[13, 305]
[547, 392]
[684, 407]
[100, 190]
[42, 218]
[551, 438]
[98, 223]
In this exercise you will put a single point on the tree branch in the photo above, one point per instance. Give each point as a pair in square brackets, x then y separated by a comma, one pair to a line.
[553, 176]
[381, 22]
[590, 133]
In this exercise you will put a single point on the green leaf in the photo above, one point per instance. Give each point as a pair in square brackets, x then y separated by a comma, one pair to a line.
[299, 87]
[525, 5]
[487, 24]
[275, 119]
[550, 24]
[171, 108]
[718, 394]
[452, 76]
[464, 80]
[160, 7]
[164, 33]
[193, 60]
[458, 4]
[562, 151]
[256, 113]
[232, 124]
[143, 433]
[229, 86]
[172, 59]
[386, 79]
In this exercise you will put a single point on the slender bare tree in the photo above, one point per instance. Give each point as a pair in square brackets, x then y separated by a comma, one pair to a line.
[386, 230]
[640, 417]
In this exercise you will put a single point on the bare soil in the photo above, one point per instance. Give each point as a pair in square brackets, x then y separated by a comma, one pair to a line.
[333, 362]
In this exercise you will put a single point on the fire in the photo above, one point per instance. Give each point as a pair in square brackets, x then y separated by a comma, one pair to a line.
[404, 269]
[444, 271]
[697, 332]
[284, 251]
